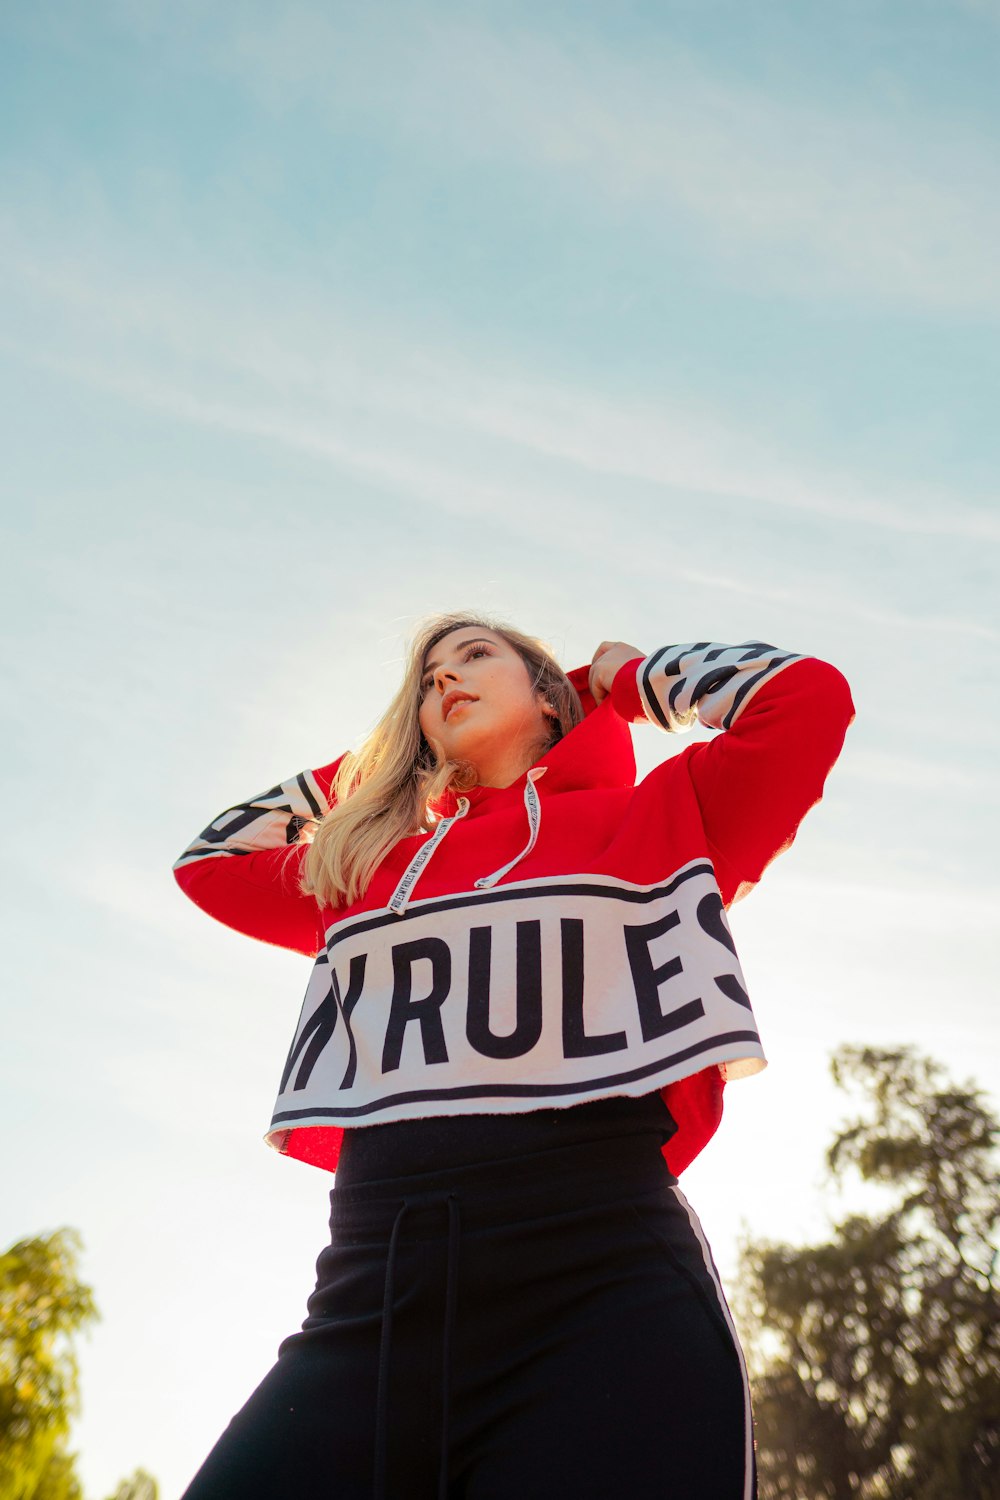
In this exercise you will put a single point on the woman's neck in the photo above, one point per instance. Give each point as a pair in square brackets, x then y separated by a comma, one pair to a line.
[507, 766]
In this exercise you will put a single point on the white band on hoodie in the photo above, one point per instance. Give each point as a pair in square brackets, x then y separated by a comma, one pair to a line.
[538, 993]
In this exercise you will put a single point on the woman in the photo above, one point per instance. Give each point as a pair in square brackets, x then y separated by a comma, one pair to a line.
[524, 1005]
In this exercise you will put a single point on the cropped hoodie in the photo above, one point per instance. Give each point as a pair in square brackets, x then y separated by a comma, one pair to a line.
[555, 941]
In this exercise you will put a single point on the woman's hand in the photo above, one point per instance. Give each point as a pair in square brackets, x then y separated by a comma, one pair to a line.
[605, 663]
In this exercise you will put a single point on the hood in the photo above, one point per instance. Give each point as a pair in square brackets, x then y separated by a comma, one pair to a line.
[598, 752]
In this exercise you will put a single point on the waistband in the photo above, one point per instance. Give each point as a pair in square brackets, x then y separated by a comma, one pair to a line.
[504, 1191]
[443, 1142]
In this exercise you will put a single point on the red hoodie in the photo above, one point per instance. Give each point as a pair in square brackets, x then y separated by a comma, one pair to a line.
[596, 960]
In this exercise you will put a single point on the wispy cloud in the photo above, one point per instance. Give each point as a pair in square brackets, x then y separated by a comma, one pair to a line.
[852, 197]
[338, 385]
[548, 513]
[814, 200]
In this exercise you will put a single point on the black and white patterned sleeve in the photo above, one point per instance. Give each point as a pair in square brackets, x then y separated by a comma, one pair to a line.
[287, 814]
[705, 681]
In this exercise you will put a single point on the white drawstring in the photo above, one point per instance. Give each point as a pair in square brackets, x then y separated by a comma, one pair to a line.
[401, 895]
[533, 805]
[411, 874]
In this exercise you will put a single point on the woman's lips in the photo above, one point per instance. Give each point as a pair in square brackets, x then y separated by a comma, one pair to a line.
[453, 701]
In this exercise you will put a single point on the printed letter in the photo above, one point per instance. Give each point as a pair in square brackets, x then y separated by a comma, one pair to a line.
[426, 1011]
[647, 979]
[712, 919]
[528, 1022]
[576, 1042]
[323, 1022]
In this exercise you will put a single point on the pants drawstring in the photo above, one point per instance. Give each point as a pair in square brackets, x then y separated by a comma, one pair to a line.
[382, 1403]
[451, 1302]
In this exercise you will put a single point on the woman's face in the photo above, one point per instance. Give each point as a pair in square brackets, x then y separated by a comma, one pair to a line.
[478, 704]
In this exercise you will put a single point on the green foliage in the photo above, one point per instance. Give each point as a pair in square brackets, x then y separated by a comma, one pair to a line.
[141, 1486]
[875, 1357]
[58, 1480]
[42, 1304]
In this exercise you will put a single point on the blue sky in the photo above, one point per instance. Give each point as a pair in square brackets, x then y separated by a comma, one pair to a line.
[654, 322]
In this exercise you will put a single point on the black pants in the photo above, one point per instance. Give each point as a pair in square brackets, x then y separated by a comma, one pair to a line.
[542, 1327]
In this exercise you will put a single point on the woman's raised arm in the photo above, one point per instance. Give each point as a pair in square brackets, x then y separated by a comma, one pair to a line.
[784, 716]
[244, 868]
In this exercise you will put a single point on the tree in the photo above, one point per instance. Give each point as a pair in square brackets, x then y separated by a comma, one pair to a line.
[141, 1486]
[875, 1357]
[42, 1305]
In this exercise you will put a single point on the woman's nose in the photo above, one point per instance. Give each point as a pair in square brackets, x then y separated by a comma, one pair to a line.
[444, 678]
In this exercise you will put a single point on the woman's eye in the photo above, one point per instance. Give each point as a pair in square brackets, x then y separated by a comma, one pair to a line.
[426, 683]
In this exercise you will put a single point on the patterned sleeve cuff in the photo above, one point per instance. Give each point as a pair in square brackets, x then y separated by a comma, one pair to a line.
[705, 681]
[275, 819]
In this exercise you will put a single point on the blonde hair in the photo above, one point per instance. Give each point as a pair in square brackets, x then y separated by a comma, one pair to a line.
[382, 791]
